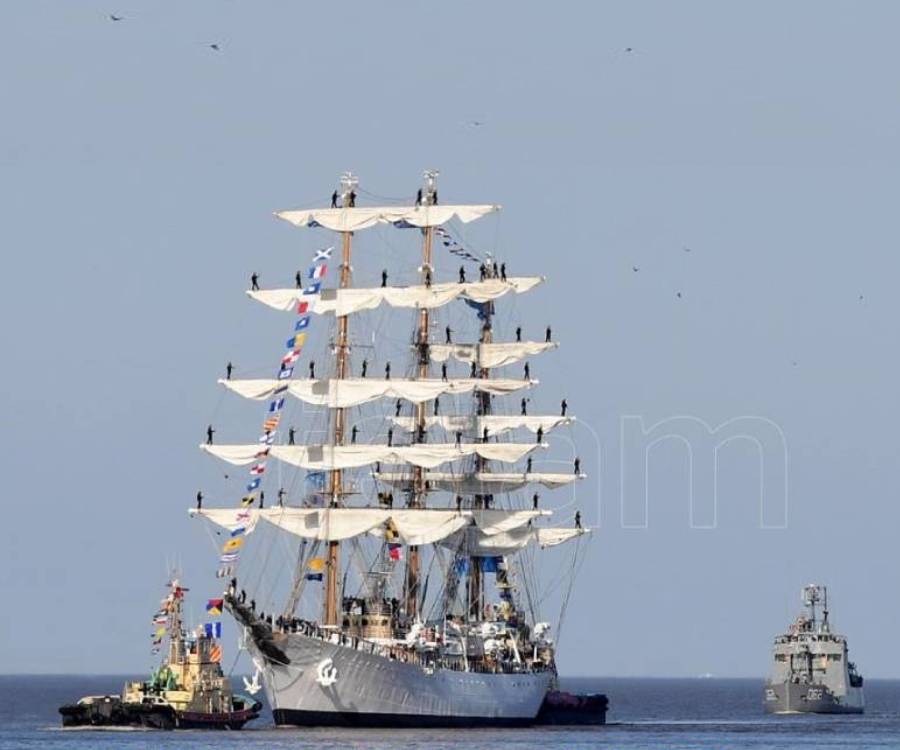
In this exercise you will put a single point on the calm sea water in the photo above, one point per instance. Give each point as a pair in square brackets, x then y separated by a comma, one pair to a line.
[645, 714]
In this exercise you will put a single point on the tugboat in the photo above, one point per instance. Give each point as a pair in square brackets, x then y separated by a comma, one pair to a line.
[812, 672]
[187, 691]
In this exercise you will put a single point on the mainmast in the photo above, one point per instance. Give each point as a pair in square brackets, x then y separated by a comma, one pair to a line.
[428, 198]
[332, 568]
[476, 584]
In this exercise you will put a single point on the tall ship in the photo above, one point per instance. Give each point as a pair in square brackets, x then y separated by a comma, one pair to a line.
[812, 671]
[399, 566]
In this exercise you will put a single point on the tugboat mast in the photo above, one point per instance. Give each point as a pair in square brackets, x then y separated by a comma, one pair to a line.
[349, 182]
[428, 198]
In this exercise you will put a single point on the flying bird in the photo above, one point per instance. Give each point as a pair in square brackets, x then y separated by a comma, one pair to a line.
[686, 249]
[114, 17]
[635, 268]
[678, 294]
[629, 49]
[214, 46]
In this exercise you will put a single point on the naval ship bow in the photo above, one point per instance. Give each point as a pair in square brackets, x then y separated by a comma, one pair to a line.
[461, 653]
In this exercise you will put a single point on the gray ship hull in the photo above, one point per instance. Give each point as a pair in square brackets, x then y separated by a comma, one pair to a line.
[327, 684]
[793, 698]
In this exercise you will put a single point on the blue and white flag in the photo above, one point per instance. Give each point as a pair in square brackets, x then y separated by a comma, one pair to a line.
[323, 254]
[213, 629]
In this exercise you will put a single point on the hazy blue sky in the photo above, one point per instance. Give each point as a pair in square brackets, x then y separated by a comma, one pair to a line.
[138, 172]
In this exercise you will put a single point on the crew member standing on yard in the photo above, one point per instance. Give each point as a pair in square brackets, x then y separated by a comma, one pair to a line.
[564, 406]
[199, 500]
[577, 465]
[334, 197]
[228, 368]
[291, 433]
[535, 500]
[312, 369]
[462, 275]
[365, 367]
[447, 336]
[384, 278]
[577, 519]
[209, 435]
[254, 281]
[519, 335]
[298, 280]
[549, 335]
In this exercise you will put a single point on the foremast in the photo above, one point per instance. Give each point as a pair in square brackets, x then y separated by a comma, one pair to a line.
[342, 356]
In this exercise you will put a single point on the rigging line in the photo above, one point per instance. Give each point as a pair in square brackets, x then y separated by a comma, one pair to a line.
[405, 200]
[576, 568]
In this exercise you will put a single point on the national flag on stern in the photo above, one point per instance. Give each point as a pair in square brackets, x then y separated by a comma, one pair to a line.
[214, 606]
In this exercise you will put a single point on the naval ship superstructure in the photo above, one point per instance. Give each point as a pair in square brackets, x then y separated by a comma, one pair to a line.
[811, 670]
[416, 539]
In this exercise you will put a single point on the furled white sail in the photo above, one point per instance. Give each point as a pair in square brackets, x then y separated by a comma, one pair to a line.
[356, 391]
[491, 522]
[490, 355]
[326, 524]
[413, 526]
[425, 526]
[495, 424]
[229, 518]
[349, 301]
[479, 484]
[327, 457]
[354, 219]
[475, 543]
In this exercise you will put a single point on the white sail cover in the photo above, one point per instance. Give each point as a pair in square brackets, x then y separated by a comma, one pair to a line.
[475, 543]
[353, 219]
[356, 391]
[328, 457]
[490, 355]
[480, 484]
[349, 301]
[229, 518]
[495, 424]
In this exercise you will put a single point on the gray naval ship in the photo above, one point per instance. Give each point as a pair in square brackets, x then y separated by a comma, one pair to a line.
[424, 610]
[811, 672]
